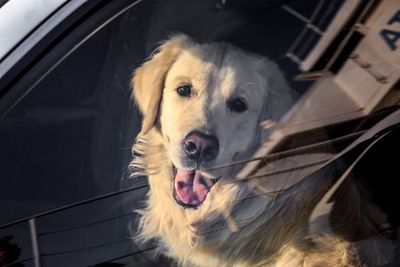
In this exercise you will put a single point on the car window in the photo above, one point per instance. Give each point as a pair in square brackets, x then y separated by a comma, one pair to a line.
[68, 120]
[67, 137]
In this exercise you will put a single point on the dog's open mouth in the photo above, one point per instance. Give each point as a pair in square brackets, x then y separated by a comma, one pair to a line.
[191, 187]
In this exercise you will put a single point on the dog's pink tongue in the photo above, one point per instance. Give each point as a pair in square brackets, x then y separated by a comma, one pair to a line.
[191, 187]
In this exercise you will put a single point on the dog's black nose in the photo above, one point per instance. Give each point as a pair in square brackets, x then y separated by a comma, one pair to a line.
[201, 147]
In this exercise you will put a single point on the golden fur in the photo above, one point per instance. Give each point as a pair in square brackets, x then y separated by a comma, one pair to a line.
[234, 226]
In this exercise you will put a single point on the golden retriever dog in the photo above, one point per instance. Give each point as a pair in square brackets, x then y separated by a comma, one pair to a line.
[202, 106]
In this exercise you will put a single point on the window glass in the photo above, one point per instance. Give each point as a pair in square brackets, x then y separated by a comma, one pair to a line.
[67, 137]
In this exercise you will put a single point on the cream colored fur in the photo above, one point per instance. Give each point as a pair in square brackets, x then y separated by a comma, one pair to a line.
[234, 226]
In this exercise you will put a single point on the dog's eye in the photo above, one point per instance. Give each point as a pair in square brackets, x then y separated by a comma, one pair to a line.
[237, 105]
[184, 90]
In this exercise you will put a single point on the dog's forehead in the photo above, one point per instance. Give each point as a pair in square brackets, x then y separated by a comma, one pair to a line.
[219, 71]
[189, 67]
[234, 72]
[225, 83]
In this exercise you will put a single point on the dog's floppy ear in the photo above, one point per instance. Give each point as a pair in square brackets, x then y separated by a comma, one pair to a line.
[148, 79]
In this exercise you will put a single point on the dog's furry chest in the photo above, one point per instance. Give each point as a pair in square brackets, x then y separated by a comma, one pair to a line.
[255, 229]
[270, 232]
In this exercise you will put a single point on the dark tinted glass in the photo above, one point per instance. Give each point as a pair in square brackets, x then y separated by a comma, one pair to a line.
[69, 136]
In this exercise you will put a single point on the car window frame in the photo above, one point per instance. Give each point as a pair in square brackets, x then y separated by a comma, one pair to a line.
[51, 43]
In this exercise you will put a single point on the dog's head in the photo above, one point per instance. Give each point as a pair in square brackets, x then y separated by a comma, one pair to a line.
[207, 102]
